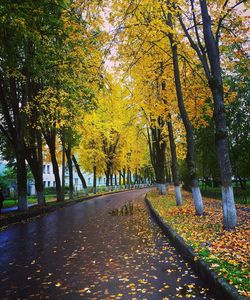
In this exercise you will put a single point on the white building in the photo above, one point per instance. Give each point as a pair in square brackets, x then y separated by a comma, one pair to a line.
[49, 178]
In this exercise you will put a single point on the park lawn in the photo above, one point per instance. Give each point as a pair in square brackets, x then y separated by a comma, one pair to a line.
[31, 200]
[240, 197]
[227, 252]
[50, 198]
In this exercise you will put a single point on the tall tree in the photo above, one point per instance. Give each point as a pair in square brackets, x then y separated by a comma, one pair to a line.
[206, 44]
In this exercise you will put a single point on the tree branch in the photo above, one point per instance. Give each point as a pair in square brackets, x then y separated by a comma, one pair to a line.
[202, 56]
[222, 18]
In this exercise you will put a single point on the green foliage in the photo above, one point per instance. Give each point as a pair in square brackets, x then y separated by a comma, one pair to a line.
[8, 177]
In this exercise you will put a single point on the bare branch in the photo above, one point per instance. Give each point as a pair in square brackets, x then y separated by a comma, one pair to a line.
[196, 28]
[202, 56]
[222, 18]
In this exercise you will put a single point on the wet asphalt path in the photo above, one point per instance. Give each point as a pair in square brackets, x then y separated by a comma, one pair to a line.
[91, 250]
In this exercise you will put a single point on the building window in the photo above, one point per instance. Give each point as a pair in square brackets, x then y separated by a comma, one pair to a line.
[48, 183]
[89, 180]
[43, 169]
[100, 180]
[44, 183]
[48, 169]
[76, 181]
[104, 179]
[54, 183]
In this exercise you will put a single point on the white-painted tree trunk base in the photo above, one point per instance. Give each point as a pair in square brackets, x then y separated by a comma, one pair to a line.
[107, 188]
[22, 203]
[228, 207]
[198, 203]
[85, 192]
[94, 190]
[162, 188]
[178, 196]
[40, 198]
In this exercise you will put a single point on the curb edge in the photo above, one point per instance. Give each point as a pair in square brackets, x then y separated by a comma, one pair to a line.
[221, 289]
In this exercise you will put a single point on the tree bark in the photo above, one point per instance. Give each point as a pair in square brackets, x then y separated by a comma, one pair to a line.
[115, 179]
[50, 138]
[124, 176]
[94, 180]
[70, 168]
[108, 177]
[107, 174]
[120, 178]
[198, 202]
[21, 179]
[128, 179]
[80, 175]
[33, 153]
[158, 149]
[34, 157]
[63, 167]
[39, 186]
[14, 134]
[221, 136]
[111, 179]
[174, 165]
[19, 148]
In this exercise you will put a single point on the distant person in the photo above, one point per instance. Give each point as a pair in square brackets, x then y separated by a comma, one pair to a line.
[1, 199]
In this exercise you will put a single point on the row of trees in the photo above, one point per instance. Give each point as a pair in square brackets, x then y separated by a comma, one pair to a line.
[56, 101]
[176, 65]
[112, 140]
[182, 57]
[49, 58]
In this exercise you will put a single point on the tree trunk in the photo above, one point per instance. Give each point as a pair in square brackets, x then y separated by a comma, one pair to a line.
[174, 165]
[80, 175]
[158, 158]
[51, 142]
[242, 183]
[128, 179]
[107, 173]
[63, 168]
[120, 178]
[34, 156]
[35, 161]
[221, 136]
[20, 150]
[94, 180]
[70, 168]
[107, 178]
[198, 202]
[39, 186]
[111, 179]
[16, 127]
[124, 176]
[21, 179]
[57, 175]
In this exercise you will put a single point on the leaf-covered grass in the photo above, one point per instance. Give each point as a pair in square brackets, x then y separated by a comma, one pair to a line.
[227, 252]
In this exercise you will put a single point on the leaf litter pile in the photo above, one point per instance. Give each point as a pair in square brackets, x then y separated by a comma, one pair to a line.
[227, 252]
